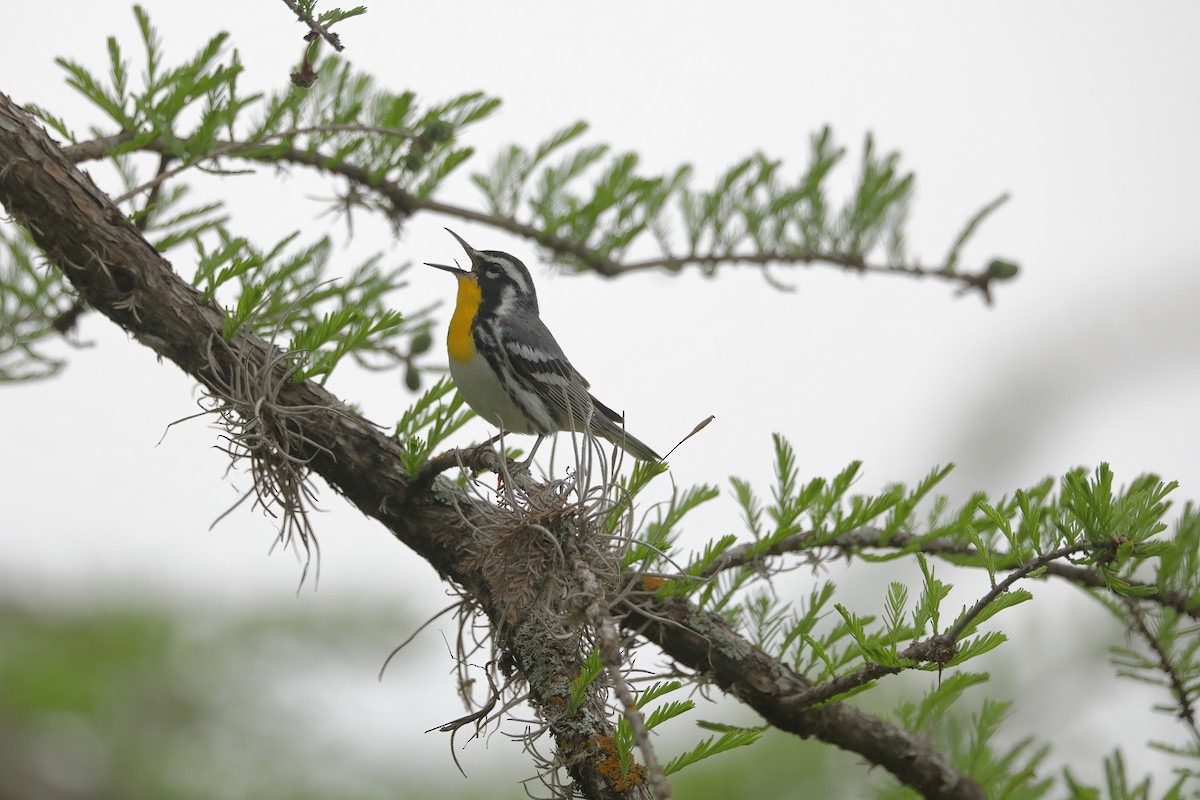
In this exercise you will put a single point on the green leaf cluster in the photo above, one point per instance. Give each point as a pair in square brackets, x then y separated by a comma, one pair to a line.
[286, 292]
[434, 417]
[1009, 771]
[593, 667]
[329, 17]
[33, 297]
[346, 123]
[731, 736]
[1110, 539]
[1119, 785]
[754, 211]
[193, 116]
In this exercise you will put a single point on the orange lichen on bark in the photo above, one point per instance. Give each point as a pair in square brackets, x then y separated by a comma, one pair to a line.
[610, 766]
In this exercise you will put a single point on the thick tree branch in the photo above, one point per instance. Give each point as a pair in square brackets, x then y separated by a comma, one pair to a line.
[123, 277]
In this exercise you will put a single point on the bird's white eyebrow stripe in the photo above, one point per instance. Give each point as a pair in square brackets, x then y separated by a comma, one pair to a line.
[510, 269]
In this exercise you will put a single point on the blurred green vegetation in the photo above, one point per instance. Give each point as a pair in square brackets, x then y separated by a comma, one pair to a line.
[122, 700]
[139, 698]
[135, 699]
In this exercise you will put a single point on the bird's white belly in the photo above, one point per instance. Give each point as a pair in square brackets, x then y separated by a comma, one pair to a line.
[485, 394]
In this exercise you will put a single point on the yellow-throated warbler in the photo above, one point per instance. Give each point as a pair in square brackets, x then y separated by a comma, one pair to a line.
[507, 365]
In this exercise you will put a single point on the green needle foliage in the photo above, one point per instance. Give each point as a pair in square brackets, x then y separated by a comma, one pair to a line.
[286, 292]
[1111, 540]
[429, 422]
[33, 300]
[393, 153]
[752, 209]
[1084, 528]
[193, 118]
[165, 127]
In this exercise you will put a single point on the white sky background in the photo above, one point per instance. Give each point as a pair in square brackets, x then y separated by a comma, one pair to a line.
[1085, 112]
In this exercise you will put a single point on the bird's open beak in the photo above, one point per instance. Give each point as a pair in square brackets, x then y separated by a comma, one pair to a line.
[448, 268]
[471, 251]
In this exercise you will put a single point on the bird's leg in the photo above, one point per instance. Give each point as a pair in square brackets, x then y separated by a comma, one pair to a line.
[523, 466]
[536, 444]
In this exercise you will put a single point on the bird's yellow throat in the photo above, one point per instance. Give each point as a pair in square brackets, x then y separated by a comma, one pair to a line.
[459, 341]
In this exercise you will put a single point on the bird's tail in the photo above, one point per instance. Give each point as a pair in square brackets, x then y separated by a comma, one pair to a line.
[611, 425]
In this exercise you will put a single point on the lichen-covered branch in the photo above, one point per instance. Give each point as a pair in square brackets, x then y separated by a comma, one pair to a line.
[122, 276]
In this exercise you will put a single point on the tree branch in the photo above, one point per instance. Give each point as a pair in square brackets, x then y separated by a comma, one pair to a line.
[936, 649]
[404, 204]
[315, 28]
[704, 642]
[1181, 692]
[854, 263]
[121, 275]
[1000, 588]
[875, 539]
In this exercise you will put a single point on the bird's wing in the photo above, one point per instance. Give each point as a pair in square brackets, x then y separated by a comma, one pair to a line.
[536, 359]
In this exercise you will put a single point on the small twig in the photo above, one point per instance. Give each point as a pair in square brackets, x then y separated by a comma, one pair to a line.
[750, 553]
[610, 654]
[1175, 681]
[872, 538]
[164, 160]
[231, 148]
[980, 281]
[855, 262]
[479, 457]
[937, 649]
[477, 717]
[603, 623]
[1146, 592]
[315, 27]
[1000, 588]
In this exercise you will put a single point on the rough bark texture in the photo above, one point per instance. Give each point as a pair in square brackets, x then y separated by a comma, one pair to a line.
[121, 275]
